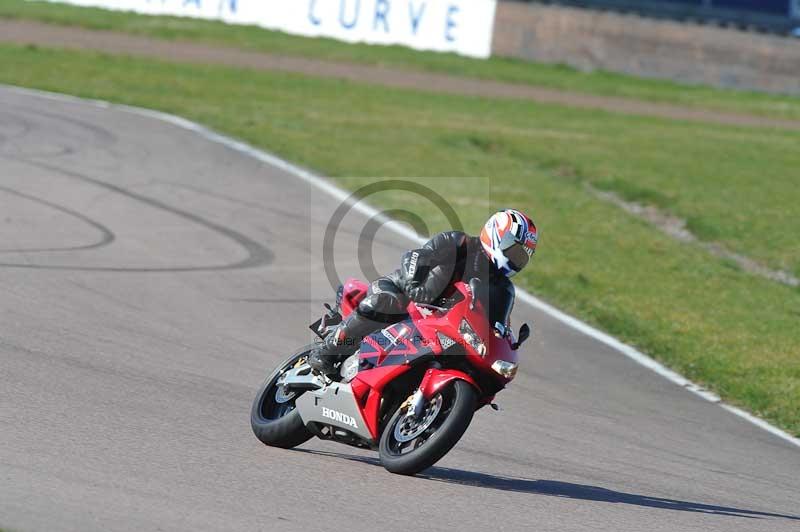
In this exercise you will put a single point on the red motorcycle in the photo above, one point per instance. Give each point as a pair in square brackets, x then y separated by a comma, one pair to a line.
[409, 391]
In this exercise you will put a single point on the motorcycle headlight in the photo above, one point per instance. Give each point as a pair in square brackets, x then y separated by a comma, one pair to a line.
[505, 368]
[471, 337]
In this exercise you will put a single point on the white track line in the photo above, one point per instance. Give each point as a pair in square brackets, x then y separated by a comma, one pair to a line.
[404, 230]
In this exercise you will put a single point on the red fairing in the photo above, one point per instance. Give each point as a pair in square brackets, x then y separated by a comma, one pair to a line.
[386, 355]
[371, 413]
[375, 380]
[434, 379]
[500, 349]
[354, 291]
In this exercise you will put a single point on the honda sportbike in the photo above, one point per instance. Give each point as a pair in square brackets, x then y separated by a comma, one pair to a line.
[409, 391]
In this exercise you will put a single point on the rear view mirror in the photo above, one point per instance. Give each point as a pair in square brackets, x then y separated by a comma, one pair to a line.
[474, 285]
[524, 334]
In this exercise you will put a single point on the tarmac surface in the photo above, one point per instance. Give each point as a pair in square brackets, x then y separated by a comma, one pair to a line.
[150, 279]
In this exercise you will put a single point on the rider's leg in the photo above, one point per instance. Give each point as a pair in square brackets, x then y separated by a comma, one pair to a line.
[384, 304]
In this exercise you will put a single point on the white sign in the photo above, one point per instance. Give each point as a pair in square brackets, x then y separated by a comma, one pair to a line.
[461, 26]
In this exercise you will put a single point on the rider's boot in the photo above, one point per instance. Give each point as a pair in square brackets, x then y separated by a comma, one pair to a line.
[341, 343]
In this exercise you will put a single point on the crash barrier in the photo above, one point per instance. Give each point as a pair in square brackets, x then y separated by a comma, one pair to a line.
[591, 39]
[460, 26]
[777, 16]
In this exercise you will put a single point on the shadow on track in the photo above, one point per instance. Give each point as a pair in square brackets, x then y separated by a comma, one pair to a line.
[566, 490]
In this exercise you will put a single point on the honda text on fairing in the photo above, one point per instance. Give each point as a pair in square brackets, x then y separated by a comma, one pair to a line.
[410, 389]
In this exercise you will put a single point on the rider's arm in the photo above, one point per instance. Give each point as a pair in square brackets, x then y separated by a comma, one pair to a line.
[428, 271]
[501, 302]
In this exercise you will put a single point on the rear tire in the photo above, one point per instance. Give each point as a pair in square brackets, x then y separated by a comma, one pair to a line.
[274, 423]
[459, 399]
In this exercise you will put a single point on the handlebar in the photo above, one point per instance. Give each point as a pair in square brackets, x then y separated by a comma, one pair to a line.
[432, 307]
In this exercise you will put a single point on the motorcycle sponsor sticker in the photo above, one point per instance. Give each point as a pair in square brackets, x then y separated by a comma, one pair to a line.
[394, 339]
[339, 417]
[412, 266]
[389, 336]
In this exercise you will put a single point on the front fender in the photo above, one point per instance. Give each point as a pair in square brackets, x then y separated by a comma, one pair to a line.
[435, 379]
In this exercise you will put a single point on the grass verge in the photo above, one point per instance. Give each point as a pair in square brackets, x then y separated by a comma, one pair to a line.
[510, 70]
[731, 331]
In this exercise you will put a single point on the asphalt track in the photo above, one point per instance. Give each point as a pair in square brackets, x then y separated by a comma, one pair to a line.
[150, 278]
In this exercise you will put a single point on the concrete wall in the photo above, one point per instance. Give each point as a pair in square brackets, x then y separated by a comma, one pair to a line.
[590, 40]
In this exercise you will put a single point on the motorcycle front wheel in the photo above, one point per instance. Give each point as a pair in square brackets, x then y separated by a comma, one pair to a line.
[409, 445]
[273, 417]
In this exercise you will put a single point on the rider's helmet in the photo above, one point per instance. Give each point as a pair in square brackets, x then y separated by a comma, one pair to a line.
[509, 239]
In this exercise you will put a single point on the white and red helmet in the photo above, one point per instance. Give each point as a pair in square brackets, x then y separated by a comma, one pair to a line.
[509, 239]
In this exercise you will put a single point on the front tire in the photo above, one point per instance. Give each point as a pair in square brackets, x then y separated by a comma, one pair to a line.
[449, 420]
[273, 417]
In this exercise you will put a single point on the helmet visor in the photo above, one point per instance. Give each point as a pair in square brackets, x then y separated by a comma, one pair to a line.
[518, 256]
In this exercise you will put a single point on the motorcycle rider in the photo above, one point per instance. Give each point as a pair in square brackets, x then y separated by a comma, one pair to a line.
[505, 246]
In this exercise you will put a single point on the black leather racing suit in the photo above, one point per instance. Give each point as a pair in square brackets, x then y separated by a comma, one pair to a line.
[425, 275]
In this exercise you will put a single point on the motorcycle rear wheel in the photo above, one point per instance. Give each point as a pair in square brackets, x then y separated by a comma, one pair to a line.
[457, 403]
[273, 417]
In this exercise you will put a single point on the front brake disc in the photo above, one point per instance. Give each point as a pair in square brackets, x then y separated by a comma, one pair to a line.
[409, 427]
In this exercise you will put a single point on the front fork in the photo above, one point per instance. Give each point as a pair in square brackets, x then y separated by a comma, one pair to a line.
[415, 404]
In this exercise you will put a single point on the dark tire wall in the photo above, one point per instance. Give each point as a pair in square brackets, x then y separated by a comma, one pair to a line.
[287, 431]
[440, 443]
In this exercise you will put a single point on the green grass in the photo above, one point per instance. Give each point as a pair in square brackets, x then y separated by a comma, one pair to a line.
[553, 76]
[731, 331]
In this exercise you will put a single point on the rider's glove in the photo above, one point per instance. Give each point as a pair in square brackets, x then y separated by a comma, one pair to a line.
[418, 293]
